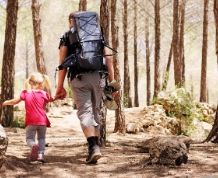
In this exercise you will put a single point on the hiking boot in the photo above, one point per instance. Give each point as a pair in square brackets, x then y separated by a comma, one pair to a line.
[41, 158]
[94, 155]
[34, 152]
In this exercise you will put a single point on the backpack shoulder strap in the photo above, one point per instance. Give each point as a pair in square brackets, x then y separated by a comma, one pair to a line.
[114, 52]
[64, 39]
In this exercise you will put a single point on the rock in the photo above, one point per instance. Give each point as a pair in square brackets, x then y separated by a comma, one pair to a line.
[200, 130]
[132, 128]
[3, 145]
[155, 116]
[168, 119]
[171, 150]
[158, 130]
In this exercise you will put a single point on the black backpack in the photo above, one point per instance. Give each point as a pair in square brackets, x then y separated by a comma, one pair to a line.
[89, 54]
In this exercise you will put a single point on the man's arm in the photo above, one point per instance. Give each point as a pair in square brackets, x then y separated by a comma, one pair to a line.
[60, 91]
[11, 102]
[62, 73]
[109, 64]
[110, 67]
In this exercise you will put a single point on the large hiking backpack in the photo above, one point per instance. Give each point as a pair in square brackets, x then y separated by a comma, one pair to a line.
[91, 43]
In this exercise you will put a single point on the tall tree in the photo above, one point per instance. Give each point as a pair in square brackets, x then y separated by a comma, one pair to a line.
[40, 60]
[7, 81]
[104, 21]
[181, 54]
[213, 134]
[215, 10]
[181, 38]
[176, 57]
[27, 58]
[167, 71]
[136, 98]
[82, 5]
[126, 77]
[203, 90]
[157, 48]
[148, 68]
[119, 114]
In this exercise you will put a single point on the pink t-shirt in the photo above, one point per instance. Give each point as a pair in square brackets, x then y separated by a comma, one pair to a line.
[35, 102]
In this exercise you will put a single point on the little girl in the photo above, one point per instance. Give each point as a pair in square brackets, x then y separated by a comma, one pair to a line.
[36, 121]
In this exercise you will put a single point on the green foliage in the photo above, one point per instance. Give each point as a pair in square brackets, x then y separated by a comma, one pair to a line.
[18, 122]
[179, 104]
[69, 91]
[125, 100]
[165, 80]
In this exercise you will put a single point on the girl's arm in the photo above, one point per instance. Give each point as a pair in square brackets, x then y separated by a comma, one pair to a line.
[11, 102]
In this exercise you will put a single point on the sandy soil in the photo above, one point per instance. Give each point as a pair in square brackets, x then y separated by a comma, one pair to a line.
[122, 157]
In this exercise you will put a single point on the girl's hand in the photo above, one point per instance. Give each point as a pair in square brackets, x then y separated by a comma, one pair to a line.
[51, 99]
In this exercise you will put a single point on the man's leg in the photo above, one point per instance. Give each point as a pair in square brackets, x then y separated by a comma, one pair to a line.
[93, 133]
[93, 148]
[83, 99]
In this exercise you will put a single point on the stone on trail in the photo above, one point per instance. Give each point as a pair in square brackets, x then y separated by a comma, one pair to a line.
[172, 150]
[132, 128]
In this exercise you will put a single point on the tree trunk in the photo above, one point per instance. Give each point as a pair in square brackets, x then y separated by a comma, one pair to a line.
[3, 145]
[166, 74]
[27, 58]
[82, 5]
[214, 131]
[157, 49]
[103, 114]
[136, 98]
[181, 39]
[148, 68]
[126, 77]
[216, 24]
[120, 117]
[104, 22]
[104, 19]
[203, 91]
[176, 58]
[40, 60]
[7, 81]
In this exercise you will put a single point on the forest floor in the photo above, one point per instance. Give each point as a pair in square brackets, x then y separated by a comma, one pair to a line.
[122, 156]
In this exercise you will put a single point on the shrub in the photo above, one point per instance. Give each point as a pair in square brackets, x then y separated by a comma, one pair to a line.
[180, 104]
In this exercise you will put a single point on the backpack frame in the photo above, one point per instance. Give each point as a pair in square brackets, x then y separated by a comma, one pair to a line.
[89, 55]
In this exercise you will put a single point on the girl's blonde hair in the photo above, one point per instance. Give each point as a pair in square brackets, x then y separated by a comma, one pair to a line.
[37, 80]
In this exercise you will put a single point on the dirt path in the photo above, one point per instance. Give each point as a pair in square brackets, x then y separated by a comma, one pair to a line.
[66, 153]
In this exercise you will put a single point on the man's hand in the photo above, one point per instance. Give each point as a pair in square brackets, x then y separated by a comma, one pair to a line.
[115, 95]
[115, 85]
[60, 93]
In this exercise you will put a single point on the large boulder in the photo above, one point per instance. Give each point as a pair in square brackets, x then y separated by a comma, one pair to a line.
[171, 150]
[153, 120]
[199, 130]
[3, 145]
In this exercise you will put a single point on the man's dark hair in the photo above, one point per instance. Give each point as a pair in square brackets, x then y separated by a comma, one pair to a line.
[71, 15]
